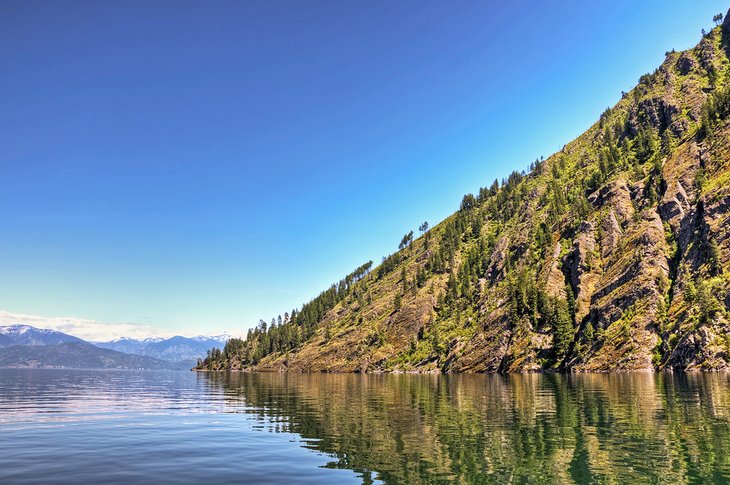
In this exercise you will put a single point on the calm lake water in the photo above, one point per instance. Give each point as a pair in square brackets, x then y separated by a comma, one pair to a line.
[64, 426]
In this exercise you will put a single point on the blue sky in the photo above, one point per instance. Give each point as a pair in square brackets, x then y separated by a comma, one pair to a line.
[196, 166]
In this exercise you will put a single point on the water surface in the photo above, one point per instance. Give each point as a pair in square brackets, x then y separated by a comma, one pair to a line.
[63, 426]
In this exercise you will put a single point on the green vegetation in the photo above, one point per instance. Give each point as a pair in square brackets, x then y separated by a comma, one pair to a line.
[285, 334]
[610, 254]
[500, 429]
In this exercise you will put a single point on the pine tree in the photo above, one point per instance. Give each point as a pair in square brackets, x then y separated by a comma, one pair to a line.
[563, 329]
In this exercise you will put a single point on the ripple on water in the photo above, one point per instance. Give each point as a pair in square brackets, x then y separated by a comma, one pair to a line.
[60, 426]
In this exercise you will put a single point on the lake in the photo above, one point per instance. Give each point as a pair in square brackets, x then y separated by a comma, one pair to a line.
[79, 426]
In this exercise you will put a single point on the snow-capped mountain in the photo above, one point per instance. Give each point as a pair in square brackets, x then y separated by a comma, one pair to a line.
[129, 345]
[222, 338]
[173, 349]
[27, 335]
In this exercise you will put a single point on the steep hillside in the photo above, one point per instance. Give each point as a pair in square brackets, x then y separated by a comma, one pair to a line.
[613, 253]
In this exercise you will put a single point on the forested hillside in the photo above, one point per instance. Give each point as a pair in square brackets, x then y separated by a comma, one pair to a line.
[613, 253]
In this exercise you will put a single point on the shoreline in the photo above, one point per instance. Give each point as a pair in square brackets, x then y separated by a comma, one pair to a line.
[617, 371]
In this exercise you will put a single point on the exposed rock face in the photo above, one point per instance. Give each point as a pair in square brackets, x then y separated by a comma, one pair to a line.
[498, 259]
[626, 299]
[617, 197]
[685, 64]
[662, 113]
[583, 263]
[556, 279]
[611, 234]
[675, 204]
[706, 54]
[613, 254]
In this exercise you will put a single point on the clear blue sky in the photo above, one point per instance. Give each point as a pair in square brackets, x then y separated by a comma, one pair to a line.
[196, 166]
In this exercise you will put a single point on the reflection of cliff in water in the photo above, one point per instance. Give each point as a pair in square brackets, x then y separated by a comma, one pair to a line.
[605, 428]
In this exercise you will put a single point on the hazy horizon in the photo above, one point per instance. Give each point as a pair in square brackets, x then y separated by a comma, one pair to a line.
[95, 331]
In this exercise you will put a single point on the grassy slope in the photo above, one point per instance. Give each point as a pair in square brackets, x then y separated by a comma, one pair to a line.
[633, 247]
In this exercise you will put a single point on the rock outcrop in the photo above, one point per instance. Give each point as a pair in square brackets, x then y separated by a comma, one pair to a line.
[612, 254]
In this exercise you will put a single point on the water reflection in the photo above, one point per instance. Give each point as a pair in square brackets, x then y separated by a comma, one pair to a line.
[77, 427]
[596, 428]
[33, 396]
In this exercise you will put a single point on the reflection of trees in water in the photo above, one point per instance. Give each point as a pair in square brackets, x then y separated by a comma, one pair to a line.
[605, 428]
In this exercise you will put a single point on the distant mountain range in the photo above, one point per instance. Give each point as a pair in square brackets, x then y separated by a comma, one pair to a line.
[27, 335]
[171, 349]
[80, 355]
[27, 346]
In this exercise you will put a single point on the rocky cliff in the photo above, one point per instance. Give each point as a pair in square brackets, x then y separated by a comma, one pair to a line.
[612, 254]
